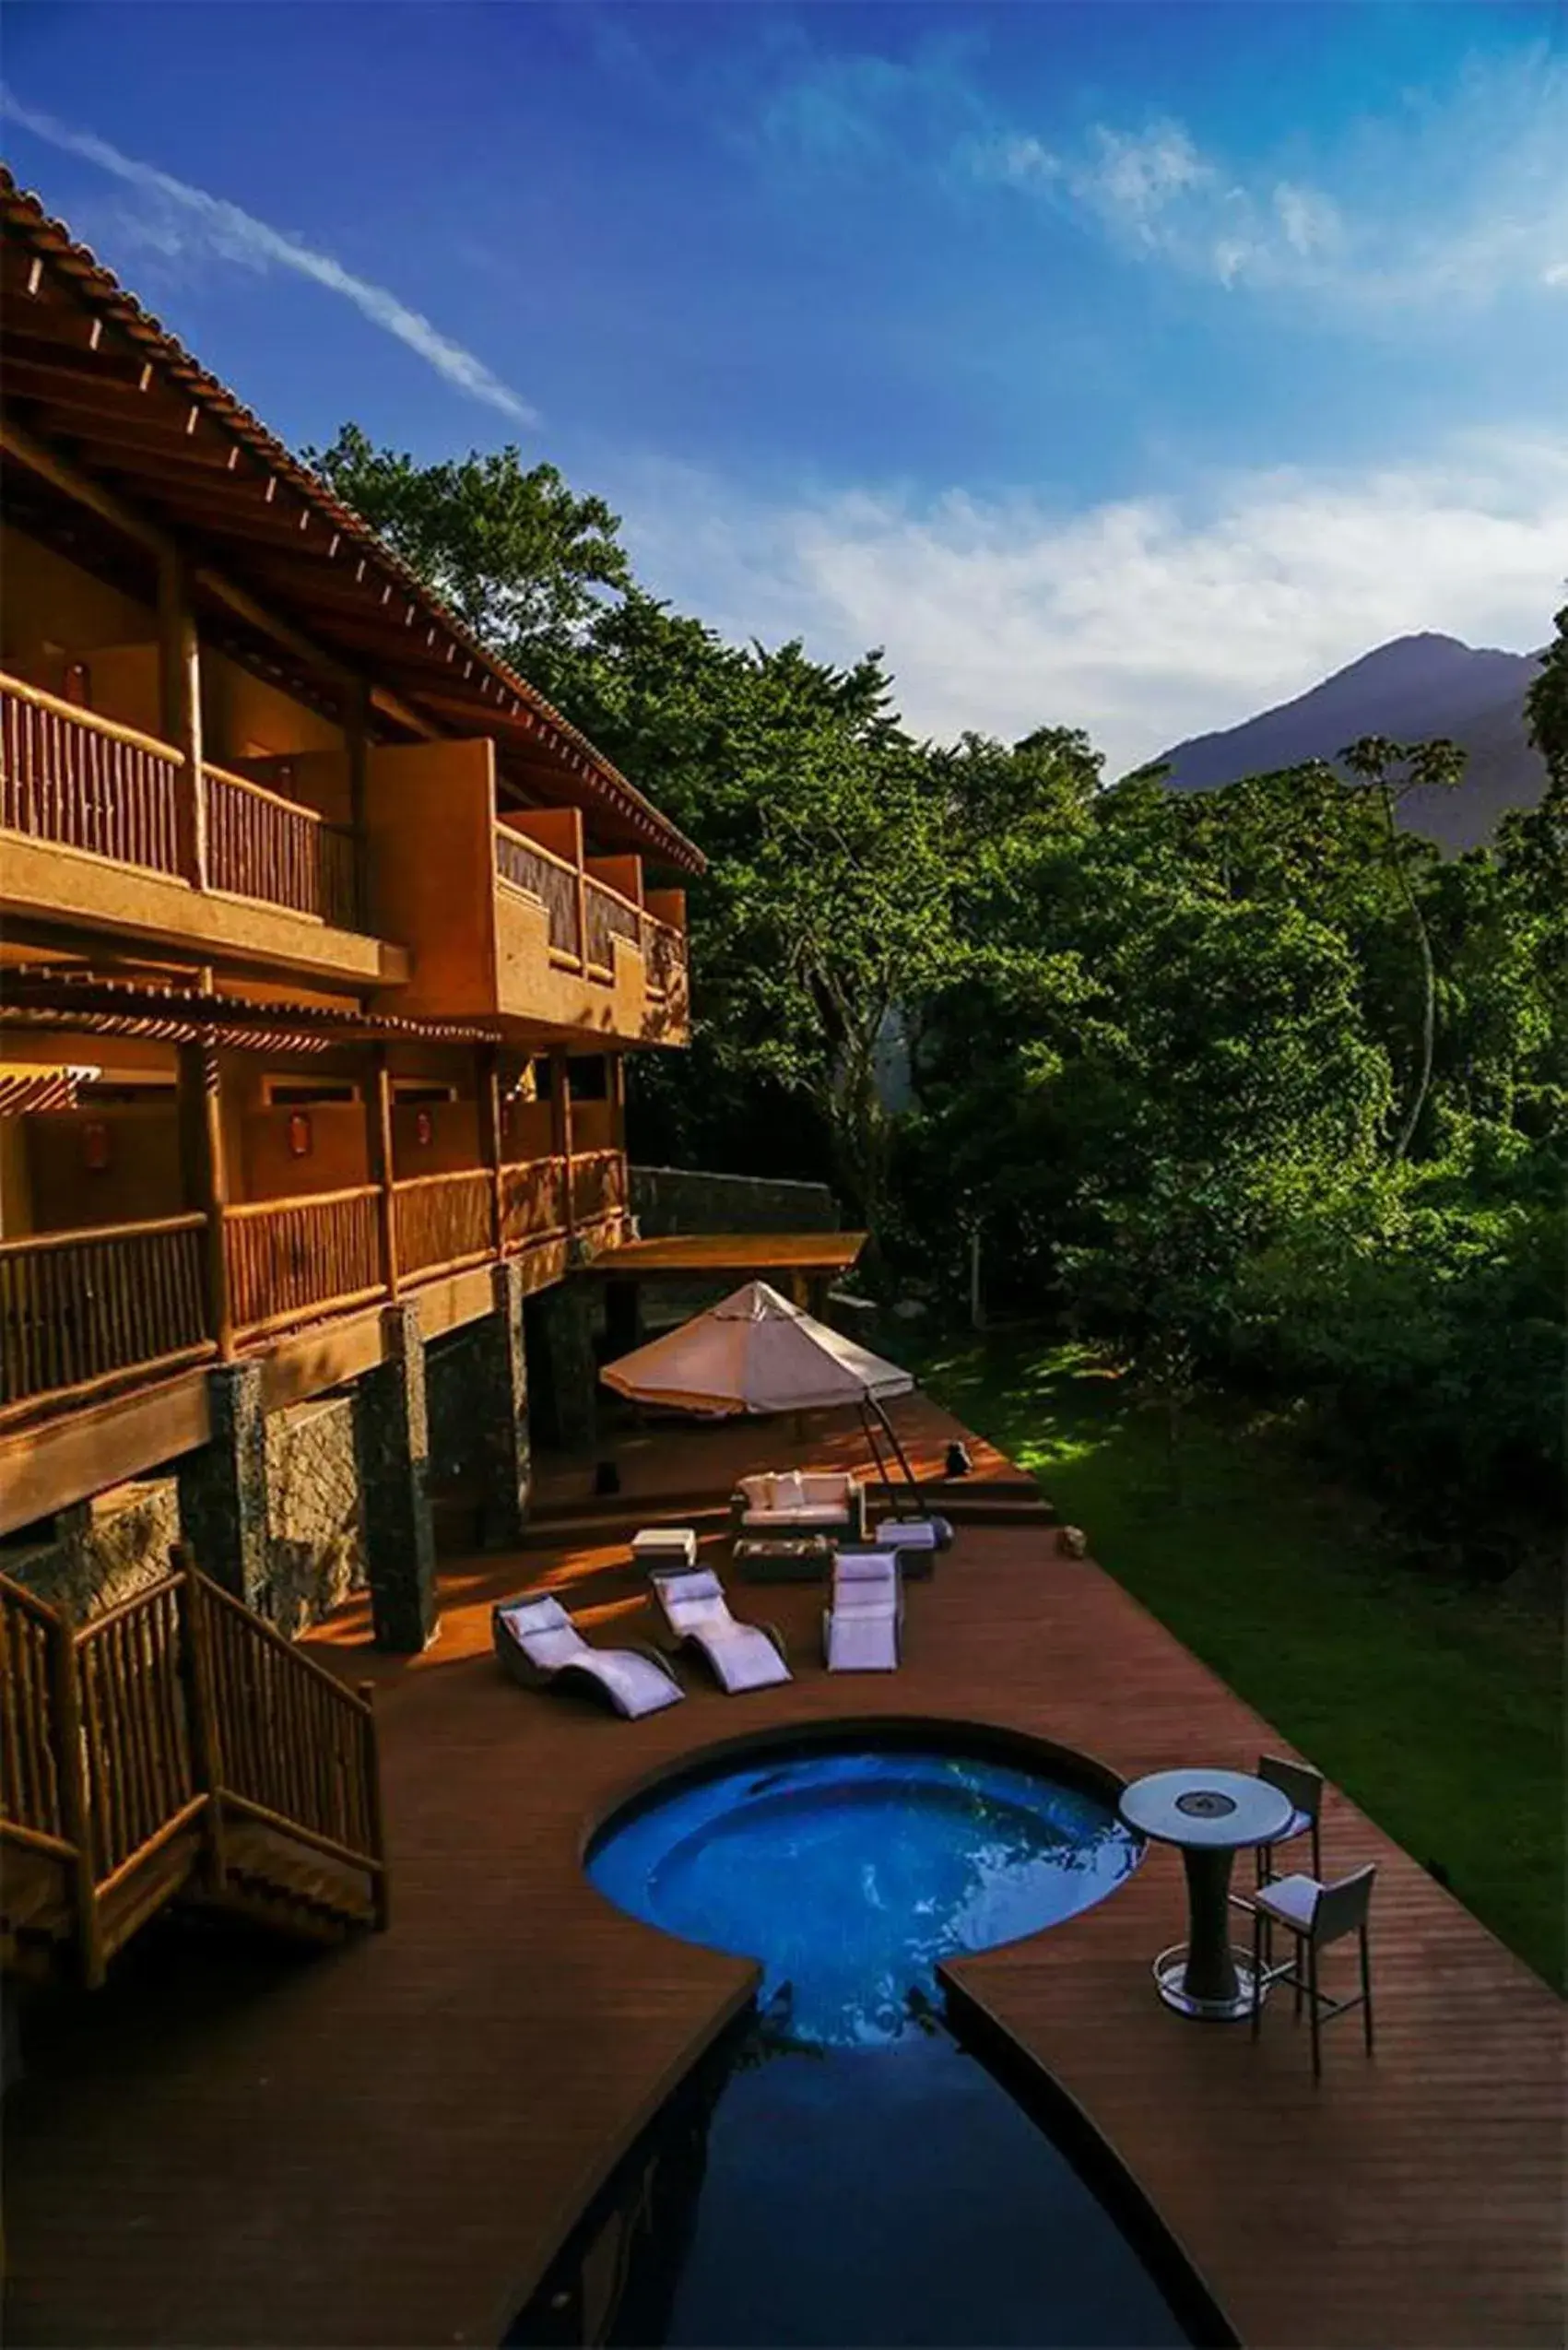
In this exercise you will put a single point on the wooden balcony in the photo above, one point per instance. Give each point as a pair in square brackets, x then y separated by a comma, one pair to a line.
[102, 828]
[610, 964]
[508, 917]
[85, 1314]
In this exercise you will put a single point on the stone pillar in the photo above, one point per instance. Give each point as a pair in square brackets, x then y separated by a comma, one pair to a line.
[392, 1437]
[500, 1381]
[563, 1322]
[223, 1513]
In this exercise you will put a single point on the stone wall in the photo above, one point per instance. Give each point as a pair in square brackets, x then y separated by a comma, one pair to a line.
[683, 1199]
[315, 1525]
[454, 1400]
[106, 1550]
[102, 1551]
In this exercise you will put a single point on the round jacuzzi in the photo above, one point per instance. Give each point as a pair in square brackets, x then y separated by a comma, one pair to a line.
[848, 1870]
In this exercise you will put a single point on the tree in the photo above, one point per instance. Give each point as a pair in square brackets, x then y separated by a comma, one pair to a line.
[523, 563]
[1546, 705]
[1389, 770]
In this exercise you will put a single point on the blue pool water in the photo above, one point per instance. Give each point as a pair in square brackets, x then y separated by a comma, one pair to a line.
[842, 2170]
[850, 1873]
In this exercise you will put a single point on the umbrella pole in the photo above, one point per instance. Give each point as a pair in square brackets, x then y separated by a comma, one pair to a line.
[869, 1405]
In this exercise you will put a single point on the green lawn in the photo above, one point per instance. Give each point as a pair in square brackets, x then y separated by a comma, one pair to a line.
[1438, 1708]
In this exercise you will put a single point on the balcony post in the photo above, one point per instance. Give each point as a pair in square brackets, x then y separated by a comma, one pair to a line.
[206, 1179]
[382, 1165]
[357, 739]
[560, 1134]
[491, 1141]
[180, 689]
[616, 1071]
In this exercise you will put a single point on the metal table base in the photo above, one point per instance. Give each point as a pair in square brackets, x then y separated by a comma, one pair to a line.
[1170, 1974]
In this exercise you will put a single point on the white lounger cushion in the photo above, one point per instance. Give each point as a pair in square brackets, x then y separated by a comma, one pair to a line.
[548, 1637]
[741, 1655]
[861, 1628]
[877, 1568]
[861, 1640]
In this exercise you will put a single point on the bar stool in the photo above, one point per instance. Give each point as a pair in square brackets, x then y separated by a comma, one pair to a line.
[1304, 1787]
[1316, 1915]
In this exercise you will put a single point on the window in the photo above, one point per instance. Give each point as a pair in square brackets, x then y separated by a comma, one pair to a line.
[590, 1078]
[306, 1092]
[419, 1089]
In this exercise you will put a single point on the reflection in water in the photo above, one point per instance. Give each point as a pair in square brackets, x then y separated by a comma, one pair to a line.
[850, 1875]
[847, 2197]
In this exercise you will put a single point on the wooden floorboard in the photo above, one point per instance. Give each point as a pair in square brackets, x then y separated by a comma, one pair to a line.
[384, 2145]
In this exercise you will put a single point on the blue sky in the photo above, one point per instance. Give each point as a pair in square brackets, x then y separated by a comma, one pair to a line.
[1116, 366]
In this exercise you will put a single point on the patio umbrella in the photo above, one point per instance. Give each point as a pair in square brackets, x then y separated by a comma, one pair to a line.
[756, 1353]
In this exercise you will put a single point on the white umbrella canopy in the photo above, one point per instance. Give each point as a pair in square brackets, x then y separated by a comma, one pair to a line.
[754, 1352]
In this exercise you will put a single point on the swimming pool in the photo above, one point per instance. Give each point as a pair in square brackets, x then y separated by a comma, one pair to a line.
[850, 1871]
[844, 2169]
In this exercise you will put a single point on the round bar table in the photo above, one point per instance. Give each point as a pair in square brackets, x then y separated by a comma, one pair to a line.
[1211, 1815]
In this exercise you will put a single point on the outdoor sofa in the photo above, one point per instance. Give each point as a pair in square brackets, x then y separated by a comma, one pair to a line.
[799, 1500]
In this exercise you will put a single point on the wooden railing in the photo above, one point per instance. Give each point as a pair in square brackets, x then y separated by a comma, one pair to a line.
[85, 782]
[177, 1710]
[69, 776]
[550, 878]
[77, 1309]
[31, 1797]
[291, 1258]
[84, 1310]
[292, 1747]
[444, 1221]
[666, 948]
[610, 917]
[598, 1185]
[533, 1200]
[141, 1782]
[261, 845]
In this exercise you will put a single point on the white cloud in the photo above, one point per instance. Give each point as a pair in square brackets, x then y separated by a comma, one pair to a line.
[181, 220]
[1458, 193]
[1141, 620]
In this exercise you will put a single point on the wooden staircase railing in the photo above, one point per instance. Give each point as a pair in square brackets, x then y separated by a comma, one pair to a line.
[176, 1743]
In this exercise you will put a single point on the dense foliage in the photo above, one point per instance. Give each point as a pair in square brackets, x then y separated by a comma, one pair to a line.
[1251, 1082]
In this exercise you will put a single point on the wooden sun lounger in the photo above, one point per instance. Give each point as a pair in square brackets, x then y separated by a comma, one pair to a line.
[741, 1655]
[539, 1645]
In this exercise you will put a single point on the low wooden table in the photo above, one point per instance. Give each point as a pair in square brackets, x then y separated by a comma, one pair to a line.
[784, 1558]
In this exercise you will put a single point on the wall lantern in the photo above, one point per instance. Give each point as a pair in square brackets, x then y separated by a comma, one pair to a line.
[95, 1146]
[424, 1126]
[298, 1134]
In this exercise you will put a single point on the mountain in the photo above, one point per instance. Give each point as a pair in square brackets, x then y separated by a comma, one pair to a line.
[1411, 688]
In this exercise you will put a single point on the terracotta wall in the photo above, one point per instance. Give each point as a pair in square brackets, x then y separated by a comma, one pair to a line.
[243, 717]
[527, 1131]
[592, 1125]
[140, 1180]
[52, 609]
[337, 1158]
[430, 819]
[15, 1183]
[453, 1137]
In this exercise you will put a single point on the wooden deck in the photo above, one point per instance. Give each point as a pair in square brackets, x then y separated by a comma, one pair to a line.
[697, 1254]
[384, 2146]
